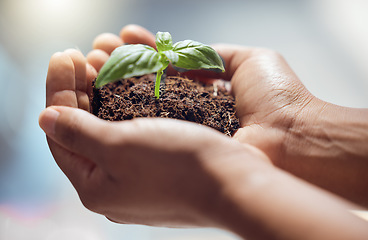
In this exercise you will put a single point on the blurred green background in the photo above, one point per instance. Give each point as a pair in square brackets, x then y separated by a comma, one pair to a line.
[324, 41]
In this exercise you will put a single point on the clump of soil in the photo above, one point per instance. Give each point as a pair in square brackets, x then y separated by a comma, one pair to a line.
[180, 98]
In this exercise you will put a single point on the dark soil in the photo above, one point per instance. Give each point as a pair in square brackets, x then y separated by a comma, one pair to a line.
[180, 98]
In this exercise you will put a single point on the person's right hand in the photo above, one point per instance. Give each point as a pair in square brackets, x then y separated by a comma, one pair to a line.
[270, 99]
[317, 141]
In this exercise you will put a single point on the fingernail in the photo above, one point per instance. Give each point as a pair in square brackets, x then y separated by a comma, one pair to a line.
[48, 119]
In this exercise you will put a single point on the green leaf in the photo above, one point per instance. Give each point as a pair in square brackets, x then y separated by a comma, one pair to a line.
[129, 61]
[192, 55]
[171, 55]
[163, 41]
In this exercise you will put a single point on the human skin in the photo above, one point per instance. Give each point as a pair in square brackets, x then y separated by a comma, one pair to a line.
[315, 140]
[171, 173]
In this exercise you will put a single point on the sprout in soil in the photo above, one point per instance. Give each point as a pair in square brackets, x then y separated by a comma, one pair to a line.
[138, 59]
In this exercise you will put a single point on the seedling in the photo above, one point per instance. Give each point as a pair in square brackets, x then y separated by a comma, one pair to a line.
[138, 59]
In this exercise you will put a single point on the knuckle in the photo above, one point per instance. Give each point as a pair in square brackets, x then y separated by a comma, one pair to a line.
[268, 53]
[74, 54]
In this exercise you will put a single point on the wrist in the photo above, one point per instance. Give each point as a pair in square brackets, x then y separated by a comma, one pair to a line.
[327, 130]
[327, 146]
[240, 173]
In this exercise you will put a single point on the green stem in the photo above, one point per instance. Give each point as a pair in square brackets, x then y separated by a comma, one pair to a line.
[158, 81]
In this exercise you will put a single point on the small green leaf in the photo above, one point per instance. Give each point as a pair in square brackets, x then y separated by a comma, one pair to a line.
[163, 41]
[171, 55]
[195, 55]
[129, 61]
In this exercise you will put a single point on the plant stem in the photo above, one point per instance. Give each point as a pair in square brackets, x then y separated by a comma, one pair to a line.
[158, 81]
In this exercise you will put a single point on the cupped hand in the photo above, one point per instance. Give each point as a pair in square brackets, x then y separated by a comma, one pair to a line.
[270, 98]
[144, 171]
[160, 172]
[320, 142]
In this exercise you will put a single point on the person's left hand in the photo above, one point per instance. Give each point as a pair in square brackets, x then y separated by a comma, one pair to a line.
[160, 172]
[70, 74]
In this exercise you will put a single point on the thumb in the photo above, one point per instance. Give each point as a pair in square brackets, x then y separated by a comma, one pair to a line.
[74, 140]
[75, 130]
[266, 140]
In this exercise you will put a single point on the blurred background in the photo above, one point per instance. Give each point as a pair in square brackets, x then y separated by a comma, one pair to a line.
[324, 41]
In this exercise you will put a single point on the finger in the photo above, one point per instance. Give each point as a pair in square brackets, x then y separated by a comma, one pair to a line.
[107, 42]
[80, 63]
[77, 168]
[75, 130]
[233, 56]
[97, 58]
[60, 81]
[87, 177]
[134, 34]
[82, 171]
[60, 90]
[91, 75]
[263, 139]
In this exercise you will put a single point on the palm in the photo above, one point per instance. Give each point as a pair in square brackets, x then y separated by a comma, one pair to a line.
[269, 97]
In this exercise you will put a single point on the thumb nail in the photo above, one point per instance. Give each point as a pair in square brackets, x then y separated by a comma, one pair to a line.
[48, 119]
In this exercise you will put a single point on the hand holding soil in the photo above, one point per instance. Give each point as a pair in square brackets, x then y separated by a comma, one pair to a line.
[166, 172]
